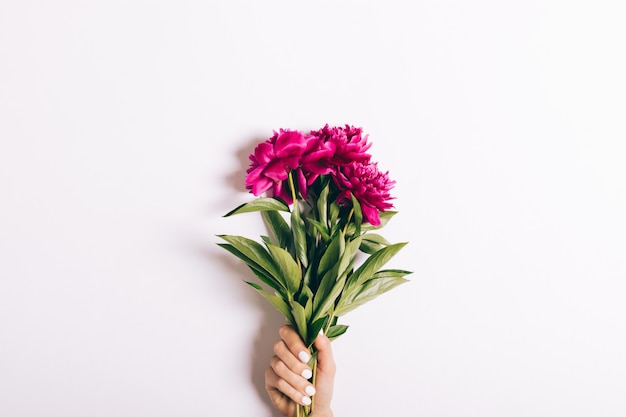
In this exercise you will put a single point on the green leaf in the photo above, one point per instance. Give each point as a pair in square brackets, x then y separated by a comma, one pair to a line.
[358, 215]
[288, 269]
[322, 205]
[382, 282]
[314, 329]
[278, 228]
[271, 281]
[373, 264]
[299, 315]
[331, 254]
[330, 289]
[327, 282]
[333, 212]
[308, 307]
[299, 235]
[373, 242]
[334, 280]
[321, 229]
[305, 295]
[261, 272]
[375, 237]
[336, 331]
[385, 216]
[278, 302]
[260, 204]
[347, 257]
[253, 252]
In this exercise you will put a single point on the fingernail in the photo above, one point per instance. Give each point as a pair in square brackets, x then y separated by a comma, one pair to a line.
[306, 374]
[310, 390]
[321, 333]
[303, 356]
[306, 400]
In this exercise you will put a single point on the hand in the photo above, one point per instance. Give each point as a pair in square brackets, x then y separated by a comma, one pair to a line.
[287, 378]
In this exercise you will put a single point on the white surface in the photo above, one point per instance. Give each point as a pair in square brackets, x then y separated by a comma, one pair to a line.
[124, 132]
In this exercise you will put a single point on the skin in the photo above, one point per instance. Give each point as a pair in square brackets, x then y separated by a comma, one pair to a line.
[285, 383]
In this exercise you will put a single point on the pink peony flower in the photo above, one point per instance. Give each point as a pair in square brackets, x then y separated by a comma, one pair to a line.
[307, 157]
[273, 159]
[348, 143]
[317, 158]
[369, 186]
[337, 151]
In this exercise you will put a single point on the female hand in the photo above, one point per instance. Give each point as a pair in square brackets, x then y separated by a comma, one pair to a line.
[287, 378]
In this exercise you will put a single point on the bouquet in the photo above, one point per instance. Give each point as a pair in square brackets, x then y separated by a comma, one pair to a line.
[323, 201]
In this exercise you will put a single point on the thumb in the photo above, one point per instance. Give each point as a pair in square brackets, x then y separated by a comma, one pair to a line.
[325, 373]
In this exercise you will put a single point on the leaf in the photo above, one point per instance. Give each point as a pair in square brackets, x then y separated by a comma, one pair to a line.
[260, 204]
[252, 250]
[375, 237]
[271, 281]
[261, 272]
[347, 257]
[372, 242]
[331, 254]
[278, 302]
[278, 228]
[334, 280]
[314, 330]
[382, 282]
[358, 215]
[299, 235]
[321, 229]
[305, 295]
[328, 281]
[300, 319]
[308, 307]
[373, 264]
[322, 205]
[325, 299]
[288, 269]
[336, 331]
[385, 216]
[333, 212]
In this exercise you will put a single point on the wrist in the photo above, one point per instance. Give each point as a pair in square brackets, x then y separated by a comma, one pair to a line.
[322, 413]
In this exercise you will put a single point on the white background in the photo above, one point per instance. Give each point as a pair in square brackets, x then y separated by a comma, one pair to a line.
[125, 128]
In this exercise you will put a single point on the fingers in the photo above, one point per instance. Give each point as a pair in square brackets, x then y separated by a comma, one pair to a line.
[298, 389]
[325, 375]
[285, 354]
[288, 373]
[325, 359]
[282, 403]
[294, 343]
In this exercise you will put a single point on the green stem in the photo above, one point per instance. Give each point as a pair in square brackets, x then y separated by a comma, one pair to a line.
[330, 321]
[345, 228]
[314, 366]
[292, 188]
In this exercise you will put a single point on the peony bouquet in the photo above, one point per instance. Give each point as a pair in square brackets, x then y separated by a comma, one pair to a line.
[322, 199]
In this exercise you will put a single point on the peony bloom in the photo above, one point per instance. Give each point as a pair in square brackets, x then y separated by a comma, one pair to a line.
[317, 159]
[368, 185]
[348, 144]
[306, 157]
[273, 159]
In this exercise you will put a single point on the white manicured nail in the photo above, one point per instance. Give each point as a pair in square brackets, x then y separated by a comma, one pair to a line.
[306, 401]
[303, 356]
[306, 374]
[310, 390]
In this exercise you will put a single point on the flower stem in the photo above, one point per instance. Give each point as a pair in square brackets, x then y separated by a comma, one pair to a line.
[314, 366]
[345, 228]
[292, 188]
